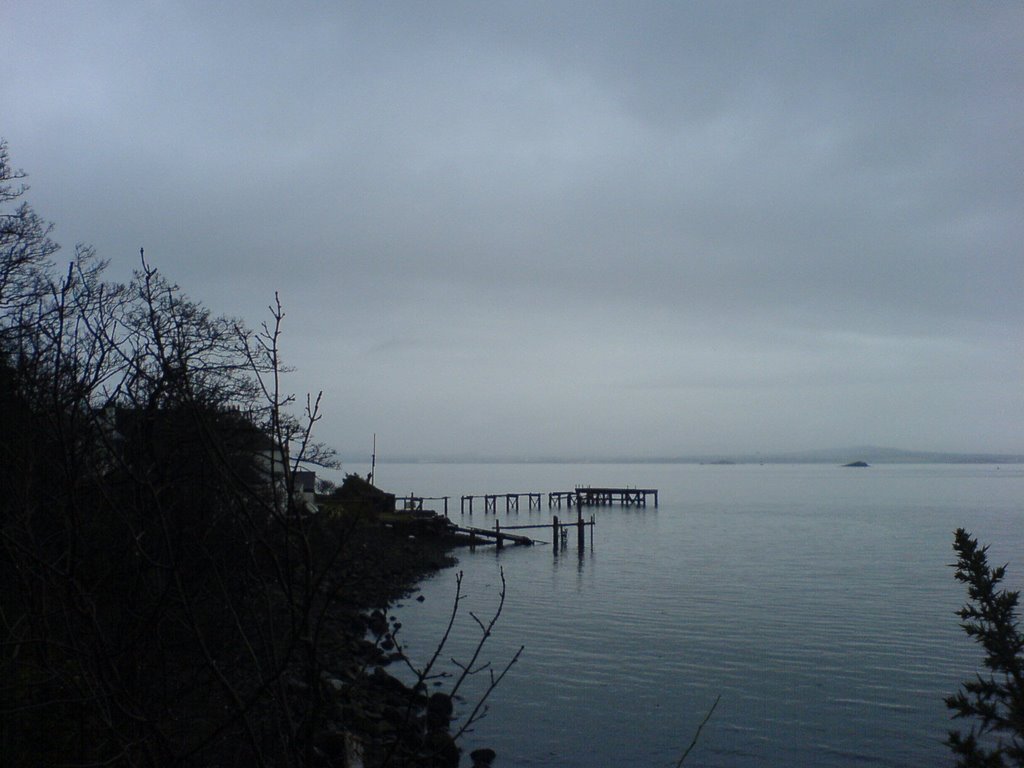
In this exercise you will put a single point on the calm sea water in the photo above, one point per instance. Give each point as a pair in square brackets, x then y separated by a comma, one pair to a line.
[816, 601]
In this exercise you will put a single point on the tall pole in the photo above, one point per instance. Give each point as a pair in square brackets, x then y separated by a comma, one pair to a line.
[373, 459]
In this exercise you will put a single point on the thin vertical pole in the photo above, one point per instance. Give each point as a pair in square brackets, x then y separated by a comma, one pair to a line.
[373, 458]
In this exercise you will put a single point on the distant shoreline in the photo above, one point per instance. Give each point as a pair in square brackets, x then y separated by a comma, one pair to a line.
[966, 459]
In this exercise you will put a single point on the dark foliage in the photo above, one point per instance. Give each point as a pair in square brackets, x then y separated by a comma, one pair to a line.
[164, 589]
[356, 489]
[168, 597]
[996, 699]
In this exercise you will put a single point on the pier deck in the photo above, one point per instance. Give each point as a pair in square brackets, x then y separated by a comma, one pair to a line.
[581, 496]
[592, 497]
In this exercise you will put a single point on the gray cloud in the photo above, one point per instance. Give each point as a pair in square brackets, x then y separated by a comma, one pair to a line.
[566, 227]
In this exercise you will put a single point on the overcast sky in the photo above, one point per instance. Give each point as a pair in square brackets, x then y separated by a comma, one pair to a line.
[575, 228]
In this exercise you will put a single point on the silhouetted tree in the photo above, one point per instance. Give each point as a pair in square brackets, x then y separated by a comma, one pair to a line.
[25, 244]
[160, 580]
[165, 597]
[996, 699]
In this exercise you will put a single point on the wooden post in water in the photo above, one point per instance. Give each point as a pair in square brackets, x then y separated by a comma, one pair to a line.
[579, 527]
[591, 531]
[497, 533]
[554, 532]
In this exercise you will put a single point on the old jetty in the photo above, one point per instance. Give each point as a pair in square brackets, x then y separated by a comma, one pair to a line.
[592, 497]
[500, 533]
[491, 501]
[581, 496]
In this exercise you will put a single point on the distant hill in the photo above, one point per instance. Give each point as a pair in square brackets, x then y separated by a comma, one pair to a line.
[877, 455]
[869, 454]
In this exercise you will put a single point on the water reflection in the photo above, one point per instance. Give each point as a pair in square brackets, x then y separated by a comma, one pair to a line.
[816, 602]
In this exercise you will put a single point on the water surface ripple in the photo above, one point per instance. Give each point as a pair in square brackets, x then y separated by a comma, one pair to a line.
[816, 601]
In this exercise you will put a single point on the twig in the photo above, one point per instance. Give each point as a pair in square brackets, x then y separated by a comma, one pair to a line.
[699, 729]
[476, 714]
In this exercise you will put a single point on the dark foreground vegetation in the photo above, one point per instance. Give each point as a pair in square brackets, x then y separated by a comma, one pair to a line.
[170, 593]
[995, 700]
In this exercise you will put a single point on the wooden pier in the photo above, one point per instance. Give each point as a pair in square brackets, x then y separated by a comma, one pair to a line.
[594, 497]
[500, 533]
[587, 496]
[555, 498]
[491, 502]
[581, 496]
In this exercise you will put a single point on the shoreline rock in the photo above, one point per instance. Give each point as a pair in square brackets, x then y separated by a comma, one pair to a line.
[387, 720]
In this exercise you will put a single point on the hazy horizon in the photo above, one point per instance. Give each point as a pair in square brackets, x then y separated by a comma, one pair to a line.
[564, 228]
[876, 454]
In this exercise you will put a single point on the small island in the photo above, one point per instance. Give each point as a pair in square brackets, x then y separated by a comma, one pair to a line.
[857, 464]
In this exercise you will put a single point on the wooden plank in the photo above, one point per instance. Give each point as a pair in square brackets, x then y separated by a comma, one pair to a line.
[499, 534]
[543, 525]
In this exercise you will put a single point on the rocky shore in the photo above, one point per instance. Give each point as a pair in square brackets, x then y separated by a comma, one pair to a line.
[375, 719]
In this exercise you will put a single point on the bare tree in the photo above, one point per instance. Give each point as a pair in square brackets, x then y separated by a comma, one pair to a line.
[25, 244]
[168, 599]
[162, 579]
